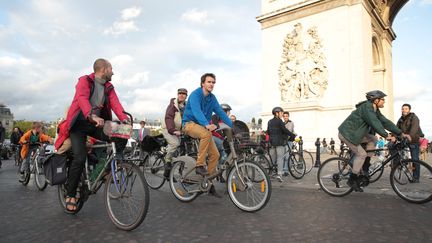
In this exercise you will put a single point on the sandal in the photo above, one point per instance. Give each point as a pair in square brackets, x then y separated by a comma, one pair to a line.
[71, 204]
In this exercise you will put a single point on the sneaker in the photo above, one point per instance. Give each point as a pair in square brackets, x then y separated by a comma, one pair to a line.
[354, 183]
[201, 170]
[21, 177]
[168, 167]
[279, 178]
[213, 192]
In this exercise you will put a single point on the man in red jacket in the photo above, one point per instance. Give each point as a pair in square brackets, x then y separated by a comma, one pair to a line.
[91, 106]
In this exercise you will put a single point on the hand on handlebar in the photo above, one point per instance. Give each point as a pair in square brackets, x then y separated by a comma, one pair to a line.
[391, 138]
[177, 133]
[95, 119]
[407, 136]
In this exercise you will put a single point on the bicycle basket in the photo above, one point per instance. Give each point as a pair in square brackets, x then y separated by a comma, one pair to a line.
[117, 130]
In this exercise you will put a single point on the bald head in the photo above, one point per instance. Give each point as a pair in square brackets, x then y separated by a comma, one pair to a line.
[103, 69]
[100, 64]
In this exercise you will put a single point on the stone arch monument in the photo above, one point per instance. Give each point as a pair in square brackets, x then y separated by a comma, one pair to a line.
[320, 57]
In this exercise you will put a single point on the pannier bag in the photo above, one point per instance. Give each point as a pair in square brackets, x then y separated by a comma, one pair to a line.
[55, 168]
[117, 130]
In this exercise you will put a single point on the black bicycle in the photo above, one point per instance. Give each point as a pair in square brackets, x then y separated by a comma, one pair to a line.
[410, 179]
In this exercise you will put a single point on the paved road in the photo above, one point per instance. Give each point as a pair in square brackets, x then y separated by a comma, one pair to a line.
[298, 211]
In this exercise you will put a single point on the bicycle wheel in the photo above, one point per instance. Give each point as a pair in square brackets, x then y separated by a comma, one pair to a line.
[62, 193]
[153, 169]
[249, 186]
[127, 196]
[263, 161]
[375, 165]
[407, 186]
[296, 165]
[184, 182]
[27, 174]
[308, 160]
[333, 176]
[39, 175]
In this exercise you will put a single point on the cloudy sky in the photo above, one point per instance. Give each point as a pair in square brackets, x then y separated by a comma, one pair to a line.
[158, 46]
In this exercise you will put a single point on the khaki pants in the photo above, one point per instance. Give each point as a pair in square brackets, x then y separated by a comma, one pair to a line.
[360, 153]
[206, 145]
[173, 142]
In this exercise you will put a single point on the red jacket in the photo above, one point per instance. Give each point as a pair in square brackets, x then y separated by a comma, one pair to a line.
[81, 102]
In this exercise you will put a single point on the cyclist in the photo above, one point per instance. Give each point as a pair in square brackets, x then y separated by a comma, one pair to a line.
[93, 90]
[360, 127]
[15, 138]
[218, 137]
[278, 135]
[196, 123]
[171, 127]
[35, 135]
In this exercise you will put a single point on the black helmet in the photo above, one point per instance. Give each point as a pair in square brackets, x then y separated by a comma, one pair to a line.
[276, 109]
[375, 94]
[225, 107]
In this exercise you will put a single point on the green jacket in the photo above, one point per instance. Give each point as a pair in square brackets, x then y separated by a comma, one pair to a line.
[363, 120]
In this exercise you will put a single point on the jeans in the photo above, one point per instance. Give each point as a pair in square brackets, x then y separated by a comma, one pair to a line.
[26, 162]
[415, 150]
[288, 148]
[276, 155]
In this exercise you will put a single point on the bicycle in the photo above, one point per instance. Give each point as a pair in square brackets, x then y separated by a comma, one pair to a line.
[304, 154]
[153, 164]
[35, 167]
[125, 189]
[248, 185]
[296, 162]
[334, 173]
[17, 154]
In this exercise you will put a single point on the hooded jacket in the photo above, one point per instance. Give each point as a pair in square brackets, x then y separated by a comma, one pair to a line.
[81, 104]
[363, 120]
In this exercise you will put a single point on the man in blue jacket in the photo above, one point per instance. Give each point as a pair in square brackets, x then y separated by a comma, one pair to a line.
[196, 123]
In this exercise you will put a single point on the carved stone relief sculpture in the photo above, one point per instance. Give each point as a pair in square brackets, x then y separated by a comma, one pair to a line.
[303, 73]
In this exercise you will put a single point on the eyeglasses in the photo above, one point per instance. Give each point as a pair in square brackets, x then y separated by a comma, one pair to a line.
[182, 93]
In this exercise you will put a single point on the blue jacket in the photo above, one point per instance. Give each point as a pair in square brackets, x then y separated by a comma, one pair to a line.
[200, 108]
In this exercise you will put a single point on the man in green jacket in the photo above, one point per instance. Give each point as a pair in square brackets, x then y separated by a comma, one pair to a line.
[360, 127]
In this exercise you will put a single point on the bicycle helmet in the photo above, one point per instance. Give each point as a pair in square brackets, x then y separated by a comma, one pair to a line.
[225, 107]
[277, 109]
[375, 94]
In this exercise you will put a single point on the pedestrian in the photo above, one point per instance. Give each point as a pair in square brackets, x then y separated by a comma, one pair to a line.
[332, 146]
[423, 148]
[324, 146]
[278, 135]
[409, 123]
[14, 139]
[290, 126]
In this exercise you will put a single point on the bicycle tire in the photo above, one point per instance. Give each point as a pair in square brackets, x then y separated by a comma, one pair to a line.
[235, 186]
[153, 170]
[309, 161]
[333, 175]
[128, 184]
[378, 174]
[262, 160]
[27, 174]
[404, 185]
[39, 176]
[296, 165]
[181, 184]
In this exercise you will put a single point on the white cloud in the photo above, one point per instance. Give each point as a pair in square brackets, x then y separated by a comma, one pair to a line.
[7, 61]
[195, 16]
[126, 24]
[121, 60]
[426, 2]
[130, 13]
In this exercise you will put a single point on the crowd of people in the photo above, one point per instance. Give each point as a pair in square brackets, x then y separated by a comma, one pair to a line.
[199, 115]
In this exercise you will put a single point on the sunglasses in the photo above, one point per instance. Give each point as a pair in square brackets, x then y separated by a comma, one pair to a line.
[182, 93]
